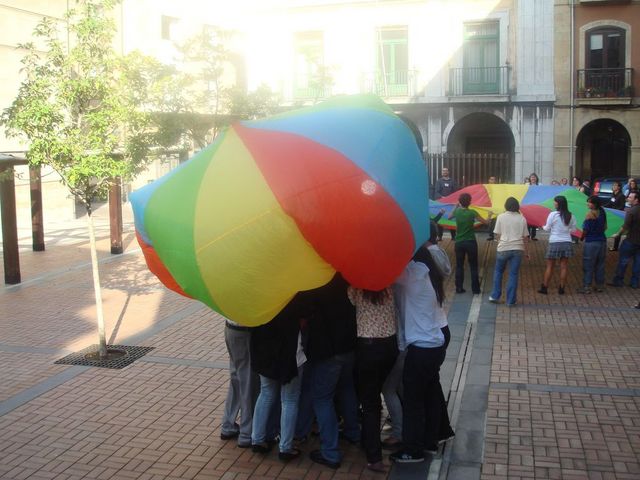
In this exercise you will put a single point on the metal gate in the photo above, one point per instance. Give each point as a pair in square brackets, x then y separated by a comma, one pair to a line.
[469, 168]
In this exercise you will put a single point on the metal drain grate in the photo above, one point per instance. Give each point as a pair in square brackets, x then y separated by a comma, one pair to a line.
[128, 355]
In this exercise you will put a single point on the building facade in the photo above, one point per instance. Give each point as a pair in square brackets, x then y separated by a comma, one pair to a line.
[476, 77]
[597, 117]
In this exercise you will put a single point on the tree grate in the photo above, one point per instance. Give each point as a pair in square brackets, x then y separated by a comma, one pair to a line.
[127, 355]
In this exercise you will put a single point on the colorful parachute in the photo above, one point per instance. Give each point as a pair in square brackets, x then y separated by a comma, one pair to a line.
[279, 205]
[536, 202]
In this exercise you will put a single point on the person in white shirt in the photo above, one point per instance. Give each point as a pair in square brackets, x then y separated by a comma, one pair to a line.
[559, 224]
[511, 228]
[425, 418]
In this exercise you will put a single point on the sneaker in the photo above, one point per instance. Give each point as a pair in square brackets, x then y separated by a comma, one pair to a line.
[493, 300]
[599, 288]
[585, 290]
[316, 456]
[405, 457]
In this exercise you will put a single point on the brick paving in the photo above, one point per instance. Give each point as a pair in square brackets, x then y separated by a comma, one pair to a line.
[564, 398]
[563, 393]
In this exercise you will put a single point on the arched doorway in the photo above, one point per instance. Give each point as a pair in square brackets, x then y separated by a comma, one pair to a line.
[487, 145]
[602, 150]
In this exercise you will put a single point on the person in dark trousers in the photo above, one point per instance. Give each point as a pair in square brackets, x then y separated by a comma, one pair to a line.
[376, 352]
[466, 245]
[331, 359]
[630, 246]
[420, 296]
[445, 185]
[533, 180]
[617, 202]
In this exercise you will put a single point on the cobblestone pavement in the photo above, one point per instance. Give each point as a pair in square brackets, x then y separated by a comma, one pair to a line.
[548, 389]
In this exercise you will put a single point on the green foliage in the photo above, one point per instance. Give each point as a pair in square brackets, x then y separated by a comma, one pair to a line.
[81, 106]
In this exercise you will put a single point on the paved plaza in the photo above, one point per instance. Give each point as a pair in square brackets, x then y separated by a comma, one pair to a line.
[547, 389]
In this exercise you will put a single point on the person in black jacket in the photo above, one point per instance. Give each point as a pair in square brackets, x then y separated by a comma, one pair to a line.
[277, 356]
[617, 201]
[331, 354]
[445, 185]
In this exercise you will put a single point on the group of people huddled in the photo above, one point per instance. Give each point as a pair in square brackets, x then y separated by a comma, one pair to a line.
[513, 235]
[331, 354]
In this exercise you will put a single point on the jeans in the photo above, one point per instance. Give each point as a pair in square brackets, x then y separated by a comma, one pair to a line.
[593, 255]
[289, 394]
[627, 252]
[392, 392]
[470, 248]
[243, 385]
[512, 258]
[334, 376]
[374, 361]
[425, 409]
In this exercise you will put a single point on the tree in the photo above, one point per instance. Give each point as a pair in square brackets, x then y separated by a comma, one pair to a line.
[82, 109]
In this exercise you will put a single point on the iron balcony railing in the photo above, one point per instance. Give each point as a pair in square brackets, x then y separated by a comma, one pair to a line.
[479, 81]
[605, 83]
[398, 83]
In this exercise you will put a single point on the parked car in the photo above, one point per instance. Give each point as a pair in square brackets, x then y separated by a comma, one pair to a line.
[603, 187]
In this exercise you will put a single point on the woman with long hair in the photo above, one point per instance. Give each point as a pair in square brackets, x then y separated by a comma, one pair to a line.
[511, 228]
[559, 224]
[376, 352]
[420, 298]
[595, 245]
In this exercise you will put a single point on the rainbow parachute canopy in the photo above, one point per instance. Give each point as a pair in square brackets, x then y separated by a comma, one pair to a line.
[280, 205]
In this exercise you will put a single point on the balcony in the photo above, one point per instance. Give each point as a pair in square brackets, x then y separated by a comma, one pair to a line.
[478, 81]
[311, 93]
[605, 85]
[400, 83]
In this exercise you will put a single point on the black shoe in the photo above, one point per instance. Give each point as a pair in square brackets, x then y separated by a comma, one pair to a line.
[476, 292]
[316, 456]
[261, 448]
[244, 445]
[229, 436]
[560, 290]
[637, 306]
[543, 290]
[404, 456]
[352, 441]
[290, 455]
[534, 239]
[617, 285]
[460, 290]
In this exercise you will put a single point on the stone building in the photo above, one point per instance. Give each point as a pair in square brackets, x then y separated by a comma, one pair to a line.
[597, 130]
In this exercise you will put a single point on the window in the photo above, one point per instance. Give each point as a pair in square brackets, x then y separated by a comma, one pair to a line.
[168, 27]
[605, 73]
[392, 78]
[481, 57]
[311, 79]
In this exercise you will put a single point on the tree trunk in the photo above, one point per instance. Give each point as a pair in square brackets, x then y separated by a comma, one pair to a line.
[102, 341]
